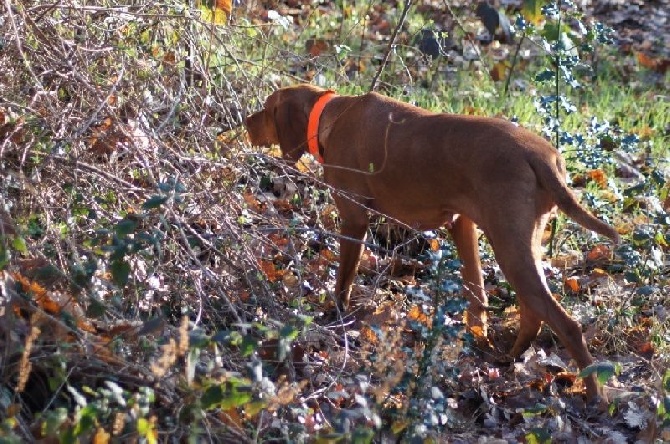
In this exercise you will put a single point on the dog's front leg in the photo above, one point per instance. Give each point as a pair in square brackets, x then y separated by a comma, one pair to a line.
[354, 224]
[464, 233]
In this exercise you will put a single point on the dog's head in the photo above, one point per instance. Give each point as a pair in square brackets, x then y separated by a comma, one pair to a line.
[283, 120]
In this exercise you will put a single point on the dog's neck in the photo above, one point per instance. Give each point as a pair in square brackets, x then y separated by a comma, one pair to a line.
[313, 124]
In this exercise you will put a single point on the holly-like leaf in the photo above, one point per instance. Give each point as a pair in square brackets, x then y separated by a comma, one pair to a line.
[602, 370]
[120, 271]
[95, 309]
[125, 226]
[154, 202]
[545, 76]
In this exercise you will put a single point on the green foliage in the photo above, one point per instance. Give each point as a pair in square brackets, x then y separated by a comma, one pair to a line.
[230, 394]
[664, 405]
[538, 436]
[602, 370]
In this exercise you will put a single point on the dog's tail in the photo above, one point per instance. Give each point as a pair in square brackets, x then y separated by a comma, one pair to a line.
[551, 177]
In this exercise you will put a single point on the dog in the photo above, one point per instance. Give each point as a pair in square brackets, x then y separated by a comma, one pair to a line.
[430, 170]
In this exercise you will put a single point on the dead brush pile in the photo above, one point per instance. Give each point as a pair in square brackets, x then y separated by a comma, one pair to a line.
[148, 256]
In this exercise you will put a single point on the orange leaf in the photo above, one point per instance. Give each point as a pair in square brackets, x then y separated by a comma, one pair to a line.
[573, 283]
[655, 64]
[369, 336]
[316, 47]
[598, 253]
[232, 418]
[101, 436]
[224, 5]
[328, 256]
[283, 205]
[215, 11]
[270, 270]
[646, 349]
[86, 326]
[476, 330]
[42, 298]
[278, 240]
[251, 201]
[416, 314]
[645, 132]
[599, 177]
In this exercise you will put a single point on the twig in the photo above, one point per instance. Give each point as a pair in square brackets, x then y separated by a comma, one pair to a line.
[447, 4]
[514, 59]
[98, 171]
[391, 45]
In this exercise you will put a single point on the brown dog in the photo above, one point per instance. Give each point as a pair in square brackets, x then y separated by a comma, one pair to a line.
[429, 170]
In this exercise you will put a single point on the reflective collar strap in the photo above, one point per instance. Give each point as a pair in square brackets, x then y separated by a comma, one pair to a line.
[313, 124]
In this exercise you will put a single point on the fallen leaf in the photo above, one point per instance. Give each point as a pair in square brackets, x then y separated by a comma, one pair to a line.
[101, 436]
[476, 330]
[659, 65]
[315, 47]
[416, 314]
[598, 253]
[231, 418]
[368, 335]
[573, 283]
[598, 176]
[270, 270]
[499, 70]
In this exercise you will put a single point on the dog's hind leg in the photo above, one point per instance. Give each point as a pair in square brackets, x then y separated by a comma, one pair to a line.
[530, 323]
[516, 243]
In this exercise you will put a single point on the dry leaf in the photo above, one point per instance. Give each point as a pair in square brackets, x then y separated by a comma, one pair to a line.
[599, 252]
[40, 294]
[499, 70]
[231, 418]
[316, 47]
[101, 436]
[251, 201]
[573, 283]
[368, 335]
[659, 65]
[476, 330]
[599, 177]
[416, 314]
[270, 270]
[290, 280]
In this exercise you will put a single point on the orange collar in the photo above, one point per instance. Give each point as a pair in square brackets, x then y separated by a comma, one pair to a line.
[313, 124]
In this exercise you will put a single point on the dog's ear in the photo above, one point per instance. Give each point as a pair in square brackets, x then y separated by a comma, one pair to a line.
[290, 115]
